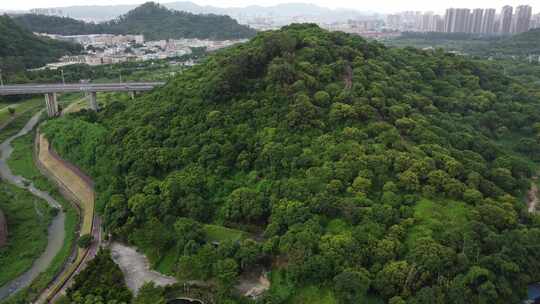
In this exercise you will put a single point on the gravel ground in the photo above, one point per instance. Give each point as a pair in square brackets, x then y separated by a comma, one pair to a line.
[136, 268]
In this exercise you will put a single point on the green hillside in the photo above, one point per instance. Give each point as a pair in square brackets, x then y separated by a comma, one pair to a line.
[363, 172]
[19, 48]
[152, 20]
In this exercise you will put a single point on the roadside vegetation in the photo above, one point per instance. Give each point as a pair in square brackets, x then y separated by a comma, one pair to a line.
[101, 281]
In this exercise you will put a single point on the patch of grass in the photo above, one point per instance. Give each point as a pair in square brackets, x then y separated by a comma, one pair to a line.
[28, 219]
[434, 218]
[21, 162]
[216, 233]
[17, 124]
[20, 108]
[28, 294]
[167, 264]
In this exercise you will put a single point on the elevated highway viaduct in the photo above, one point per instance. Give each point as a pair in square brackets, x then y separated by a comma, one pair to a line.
[91, 89]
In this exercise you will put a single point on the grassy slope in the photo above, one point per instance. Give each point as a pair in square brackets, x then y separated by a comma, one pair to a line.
[28, 218]
[19, 107]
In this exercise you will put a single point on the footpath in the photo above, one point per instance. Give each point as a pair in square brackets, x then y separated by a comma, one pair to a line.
[78, 188]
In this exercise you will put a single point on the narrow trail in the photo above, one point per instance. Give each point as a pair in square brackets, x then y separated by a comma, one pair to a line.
[78, 188]
[532, 196]
[56, 232]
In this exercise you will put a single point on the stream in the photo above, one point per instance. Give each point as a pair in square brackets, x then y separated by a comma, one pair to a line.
[56, 232]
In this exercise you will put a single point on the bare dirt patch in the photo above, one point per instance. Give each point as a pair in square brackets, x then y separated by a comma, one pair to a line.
[253, 284]
[136, 268]
[532, 196]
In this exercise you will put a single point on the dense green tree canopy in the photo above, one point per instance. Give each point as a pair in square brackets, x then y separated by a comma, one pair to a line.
[367, 169]
[101, 281]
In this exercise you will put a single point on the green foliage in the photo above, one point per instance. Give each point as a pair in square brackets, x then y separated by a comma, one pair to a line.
[27, 218]
[101, 280]
[150, 293]
[85, 241]
[351, 286]
[21, 163]
[152, 20]
[347, 159]
[215, 233]
[22, 49]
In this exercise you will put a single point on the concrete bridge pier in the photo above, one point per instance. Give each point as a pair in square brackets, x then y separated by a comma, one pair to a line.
[52, 104]
[92, 100]
[132, 94]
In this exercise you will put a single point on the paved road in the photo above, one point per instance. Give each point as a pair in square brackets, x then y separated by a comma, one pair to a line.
[77, 87]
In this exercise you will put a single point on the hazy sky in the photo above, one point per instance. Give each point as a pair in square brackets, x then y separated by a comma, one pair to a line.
[383, 6]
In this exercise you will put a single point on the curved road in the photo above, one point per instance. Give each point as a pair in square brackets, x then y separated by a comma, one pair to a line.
[56, 232]
[77, 187]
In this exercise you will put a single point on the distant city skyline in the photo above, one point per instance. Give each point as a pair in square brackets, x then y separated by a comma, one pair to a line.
[380, 6]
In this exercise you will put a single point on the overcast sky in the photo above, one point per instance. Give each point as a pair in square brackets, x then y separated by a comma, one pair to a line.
[383, 6]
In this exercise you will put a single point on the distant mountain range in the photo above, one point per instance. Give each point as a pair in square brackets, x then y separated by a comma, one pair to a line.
[152, 20]
[280, 12]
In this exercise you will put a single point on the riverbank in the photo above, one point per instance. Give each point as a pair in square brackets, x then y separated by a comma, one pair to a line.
[55, 229]
[28, 218]
[22, 161]
[19, 108]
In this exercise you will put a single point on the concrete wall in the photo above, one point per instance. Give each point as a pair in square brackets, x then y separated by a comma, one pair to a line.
[3, 229]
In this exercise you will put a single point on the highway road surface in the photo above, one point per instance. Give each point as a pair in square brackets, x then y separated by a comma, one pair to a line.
[20, 89]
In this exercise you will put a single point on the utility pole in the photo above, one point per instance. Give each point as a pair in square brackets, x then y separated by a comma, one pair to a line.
[1, 79]
[63, 79]
[120, 73]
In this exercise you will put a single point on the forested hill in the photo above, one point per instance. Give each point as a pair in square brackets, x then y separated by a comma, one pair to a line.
[19, 48]
[57, 25]
[152, 20]
[362, 171]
